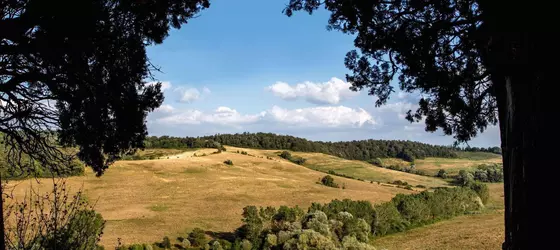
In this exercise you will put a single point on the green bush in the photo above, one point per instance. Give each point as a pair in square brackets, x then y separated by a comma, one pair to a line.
[442, 174]
[328, 181]
[376, 162]
[197, 237]
[482, 190]
[228, 162]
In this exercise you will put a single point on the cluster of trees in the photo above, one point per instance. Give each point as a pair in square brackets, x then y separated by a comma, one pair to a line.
[483, 173]
[340, 224]
[181, 142]
[495, 150]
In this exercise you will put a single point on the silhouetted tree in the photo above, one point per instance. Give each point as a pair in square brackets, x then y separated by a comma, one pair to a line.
[74, 71]
[474, 63]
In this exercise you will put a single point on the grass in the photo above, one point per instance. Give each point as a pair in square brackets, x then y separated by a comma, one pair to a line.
[478, 231]
[453, 165]
[144, 200]
[365, 171]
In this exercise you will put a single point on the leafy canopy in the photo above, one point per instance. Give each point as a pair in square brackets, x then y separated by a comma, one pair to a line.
[79, 76]
[435, 48]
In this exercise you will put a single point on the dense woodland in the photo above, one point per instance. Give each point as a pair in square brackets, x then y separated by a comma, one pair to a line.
[353, 150]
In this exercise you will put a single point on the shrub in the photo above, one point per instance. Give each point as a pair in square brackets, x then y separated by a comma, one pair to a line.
[464, 178]
[166, 243]
[328, 181]
[228, 162]
[286, 155]
[376, 162]
[244, 152]
[399, 183]
[197, 237]
[442, 174]
[420, 186]
[482, 190]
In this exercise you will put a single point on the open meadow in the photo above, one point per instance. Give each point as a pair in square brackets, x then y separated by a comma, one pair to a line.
[145, 200]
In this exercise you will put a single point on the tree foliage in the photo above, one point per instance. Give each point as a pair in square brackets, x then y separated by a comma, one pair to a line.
[433, 48]
[78, 77]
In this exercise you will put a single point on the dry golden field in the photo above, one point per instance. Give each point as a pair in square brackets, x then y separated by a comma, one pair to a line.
[145, 200]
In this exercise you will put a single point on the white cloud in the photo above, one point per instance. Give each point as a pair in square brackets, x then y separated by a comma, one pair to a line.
[188, 95]
[164, 85]
[206, 90]
[322, 116]
[332, 92]
[326, 117]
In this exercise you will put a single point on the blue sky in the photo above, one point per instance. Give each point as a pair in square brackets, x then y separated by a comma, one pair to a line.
[244, 66]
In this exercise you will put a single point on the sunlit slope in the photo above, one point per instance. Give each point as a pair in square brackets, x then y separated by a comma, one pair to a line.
[145, 200]
[365, 171]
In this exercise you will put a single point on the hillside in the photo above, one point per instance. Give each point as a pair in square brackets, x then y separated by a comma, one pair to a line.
[144, 200]
[365, 171]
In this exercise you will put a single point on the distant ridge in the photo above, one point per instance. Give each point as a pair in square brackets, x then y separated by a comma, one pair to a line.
[354, 150]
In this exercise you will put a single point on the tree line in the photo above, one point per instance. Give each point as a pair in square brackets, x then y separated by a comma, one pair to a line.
[352, 150]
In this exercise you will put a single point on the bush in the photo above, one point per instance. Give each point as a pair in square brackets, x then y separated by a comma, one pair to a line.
[244, 152]
[228, 162]
[482, 190]
[286, 155]
[464, 178]
[197, 237]
[376, 162]
[328, 181]
[420, 186]
[442, 174]
[399, 183]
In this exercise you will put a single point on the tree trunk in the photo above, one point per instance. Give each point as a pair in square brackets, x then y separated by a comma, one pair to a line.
[2, 228]
[525, 89]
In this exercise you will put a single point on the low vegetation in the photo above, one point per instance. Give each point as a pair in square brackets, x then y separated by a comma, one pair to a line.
[328, 181]
[295, 159]
[340, 224]
[228, 162]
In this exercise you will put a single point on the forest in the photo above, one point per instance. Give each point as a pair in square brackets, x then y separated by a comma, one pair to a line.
[352, 150]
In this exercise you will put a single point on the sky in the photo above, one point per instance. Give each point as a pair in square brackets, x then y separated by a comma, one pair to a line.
[243, 66]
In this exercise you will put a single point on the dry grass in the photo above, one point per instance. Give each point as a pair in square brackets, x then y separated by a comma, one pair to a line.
[366, 171]
[451, 165]
[145, 200]
[480, 231]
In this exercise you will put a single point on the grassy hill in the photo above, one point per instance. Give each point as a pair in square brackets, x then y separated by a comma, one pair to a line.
[144, 200]
[452, 166]
[365, 171]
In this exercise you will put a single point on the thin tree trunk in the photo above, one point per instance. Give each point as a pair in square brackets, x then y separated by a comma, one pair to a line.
[2, 228]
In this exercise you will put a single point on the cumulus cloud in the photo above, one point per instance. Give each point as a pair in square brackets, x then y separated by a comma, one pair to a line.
[338, 116]
[322, 116]
[164, 85]
[189, 95]
[332, 92]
